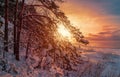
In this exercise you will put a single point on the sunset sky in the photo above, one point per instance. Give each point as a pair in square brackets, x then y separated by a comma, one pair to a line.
[99, 20]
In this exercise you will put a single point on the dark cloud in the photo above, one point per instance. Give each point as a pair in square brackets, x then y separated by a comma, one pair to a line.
[104, 33]
[106, 36]
[109, 33]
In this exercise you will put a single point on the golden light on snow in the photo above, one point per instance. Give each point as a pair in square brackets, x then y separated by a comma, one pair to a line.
[64, 32]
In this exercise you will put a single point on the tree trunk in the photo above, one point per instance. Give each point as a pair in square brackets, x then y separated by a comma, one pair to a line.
[28, 45]
[6, 27]
[15, 25]
[19, 31]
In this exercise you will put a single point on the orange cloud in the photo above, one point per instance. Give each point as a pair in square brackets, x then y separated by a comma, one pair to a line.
[108, 34]
[87, 19]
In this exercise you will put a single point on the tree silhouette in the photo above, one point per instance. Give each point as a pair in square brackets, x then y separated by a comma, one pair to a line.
[35, 29]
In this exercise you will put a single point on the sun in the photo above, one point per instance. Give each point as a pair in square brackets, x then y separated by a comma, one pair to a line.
[63, 31]
[63, 34]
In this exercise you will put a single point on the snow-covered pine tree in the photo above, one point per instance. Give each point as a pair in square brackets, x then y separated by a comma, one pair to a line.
[40, 25]
[39, 35]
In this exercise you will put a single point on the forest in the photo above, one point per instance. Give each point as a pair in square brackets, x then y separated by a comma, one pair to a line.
[38, 40]
[34, 30]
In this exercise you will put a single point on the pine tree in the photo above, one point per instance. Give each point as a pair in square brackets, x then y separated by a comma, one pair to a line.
[42, 27]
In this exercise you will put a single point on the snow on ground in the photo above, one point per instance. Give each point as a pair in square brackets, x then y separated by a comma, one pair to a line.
[97, 63]
[109, 58]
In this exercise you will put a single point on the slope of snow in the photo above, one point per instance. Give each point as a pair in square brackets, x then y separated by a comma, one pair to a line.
[97, 63]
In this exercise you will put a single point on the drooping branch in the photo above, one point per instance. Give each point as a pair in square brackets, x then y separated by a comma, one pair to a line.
[33, 15]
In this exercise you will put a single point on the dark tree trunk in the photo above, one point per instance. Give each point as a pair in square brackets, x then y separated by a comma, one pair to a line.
[6, 26]
[19, 31]
[15, 25]
[28, 45]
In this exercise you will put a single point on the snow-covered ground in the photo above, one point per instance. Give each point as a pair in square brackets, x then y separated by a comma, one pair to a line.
[108, 60]
[97, 62]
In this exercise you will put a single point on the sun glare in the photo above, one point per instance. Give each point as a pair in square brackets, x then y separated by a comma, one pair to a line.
[63, 31]
[64, 34]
